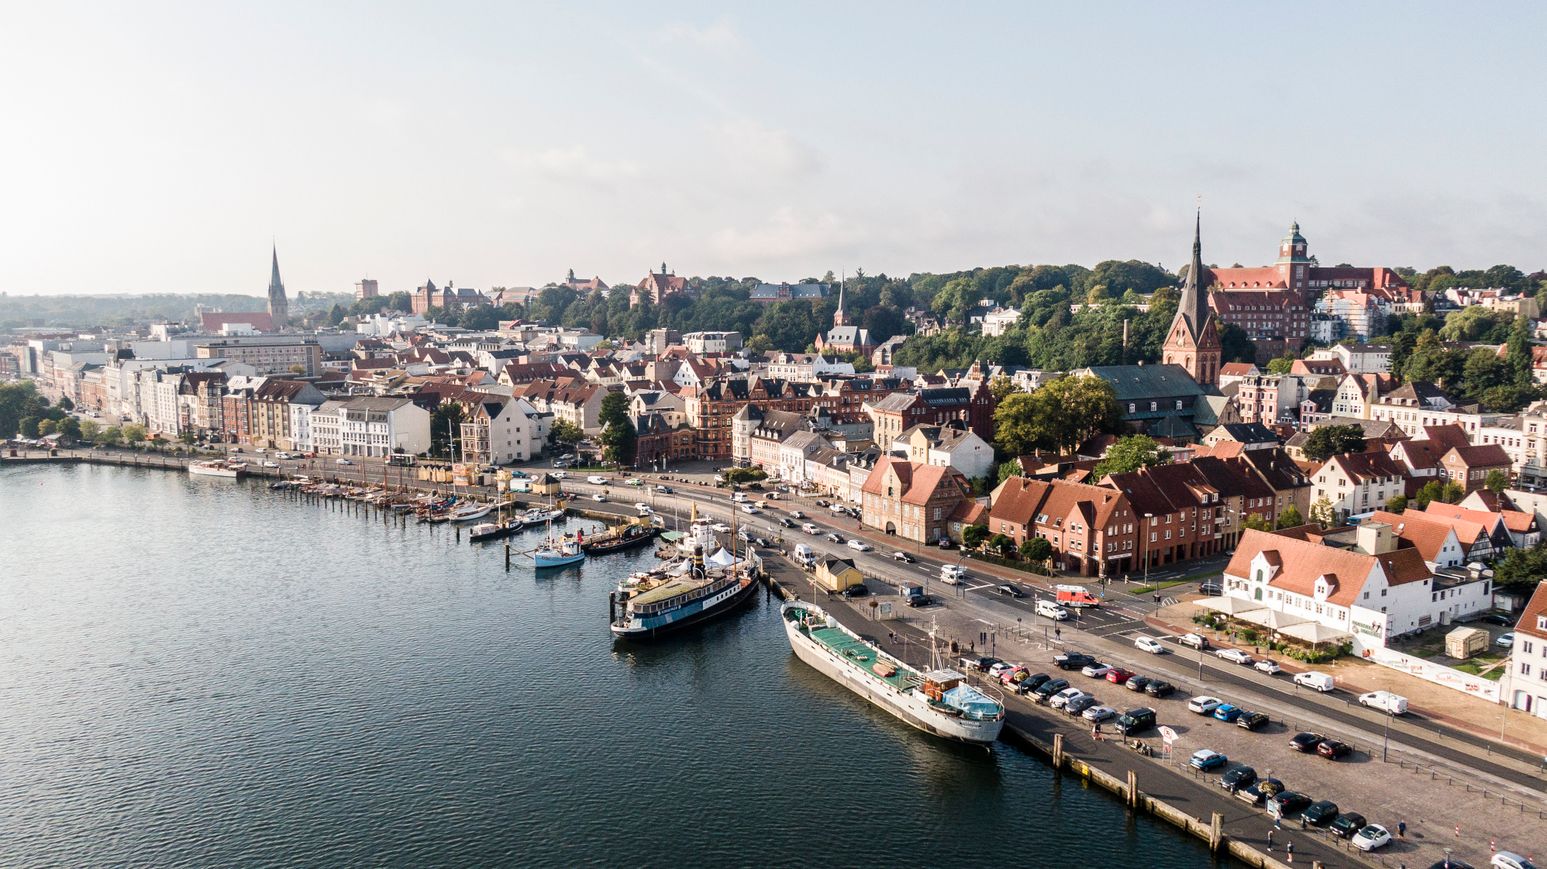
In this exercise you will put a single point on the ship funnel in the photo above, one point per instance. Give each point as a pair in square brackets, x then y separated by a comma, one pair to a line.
[698, 560]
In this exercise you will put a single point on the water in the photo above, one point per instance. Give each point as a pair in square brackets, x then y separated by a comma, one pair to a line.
[195, 671]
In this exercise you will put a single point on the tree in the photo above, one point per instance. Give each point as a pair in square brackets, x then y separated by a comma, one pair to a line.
[1236, 345]
[1289, 517]
[1036, 550]
[1496, 482]
[29, 426]
[336, 315]
[133, 433]
[445, 429]
[111, 436]
[1003, 544]
[1008, 469]
[1430, 491]
[46, 427]
[1521, 569]
[90, 430]
[618, 435]
[1396, 503]
[1059, 416]
[1281, 364]
[1130, 453]
[1322, 513]
[1255, 522]
[1002, 386]
[1333, 440]
[974, 535]
[565, 433]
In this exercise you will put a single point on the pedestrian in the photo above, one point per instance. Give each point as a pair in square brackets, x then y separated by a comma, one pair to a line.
[1289, 848]
[1401, 829]
[1278, 822]
[1058, 633]
[1270, 840]
[1302, 822]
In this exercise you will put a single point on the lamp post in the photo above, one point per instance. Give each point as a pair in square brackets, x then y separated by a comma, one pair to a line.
[1149, 522]
[1385, 736]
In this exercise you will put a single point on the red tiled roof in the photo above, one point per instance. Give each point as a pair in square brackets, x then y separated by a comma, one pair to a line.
[1301, 562]
[1536, 609]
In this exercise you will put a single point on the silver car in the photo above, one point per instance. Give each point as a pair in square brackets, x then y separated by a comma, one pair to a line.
[1099, 714]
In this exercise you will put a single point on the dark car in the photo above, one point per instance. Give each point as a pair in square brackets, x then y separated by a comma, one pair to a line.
[1032, 682]
[1160, 688]
[1498, 619]
[856, 591]
[1288, 804]
[835, 537]
[1012, 590]
[786, 523]
[986, 663]
[1211, 588]
[1252, 720]
[1347, 825]
[1080, 704]
[1137, 683]
[1136, 721]
[1049, 688]
[1264, 789]
[1334, 750]
[1305, 741]
[1238, 776]
[1073, 660]
[1320, 814]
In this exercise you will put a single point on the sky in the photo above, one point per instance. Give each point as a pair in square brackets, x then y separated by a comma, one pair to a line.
[161, 147]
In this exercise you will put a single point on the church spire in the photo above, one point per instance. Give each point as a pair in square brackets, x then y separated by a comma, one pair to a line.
[279, 306]
[1194, 304]
[838, 318]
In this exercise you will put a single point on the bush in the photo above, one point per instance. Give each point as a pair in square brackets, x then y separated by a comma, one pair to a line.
[1249, 635]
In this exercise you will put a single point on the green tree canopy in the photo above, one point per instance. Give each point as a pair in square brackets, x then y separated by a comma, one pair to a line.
[1130, 453]
[618, 436]
[1333, 440]
[1289, 517]
[1059, 416]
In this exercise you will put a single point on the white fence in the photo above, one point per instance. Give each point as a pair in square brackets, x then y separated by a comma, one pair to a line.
[1429, 671]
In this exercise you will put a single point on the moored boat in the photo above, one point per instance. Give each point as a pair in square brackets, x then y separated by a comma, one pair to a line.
[630, 536]
[558, 553]
[218, 468]
[939, 701]
[648, 604]
[470, 513]
[484, 531]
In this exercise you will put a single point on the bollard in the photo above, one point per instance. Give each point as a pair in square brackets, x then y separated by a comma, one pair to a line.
[1058, 751]
[1133, 789]
[507, 556]
[1216, 832]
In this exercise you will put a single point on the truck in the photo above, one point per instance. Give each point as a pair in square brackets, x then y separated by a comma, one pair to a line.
[1075, 596]
[804, 555]
[913, 594]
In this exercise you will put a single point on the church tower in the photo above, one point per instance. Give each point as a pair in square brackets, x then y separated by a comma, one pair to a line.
[838, 317]
[1193, 341]
[1293, 259]
[279, 306]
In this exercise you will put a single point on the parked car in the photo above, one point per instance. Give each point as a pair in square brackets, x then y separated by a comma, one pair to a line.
[1375, 836]
[1032, 683]
[1252, 720]
[1263, 789]
[721, 527]
[1320, 813]
[1096, 670]
[856, 591]
[1059, 700]
[1314, 680]
[1234, 656]
[1072, 660]
[1306, 741]
[1136, 720]
[1080, 704]
[998, 667]
[1119, 675]
[665, 490]
[1203, 704]
[1270, 667]
[1347, 825]
[271, 464]
[1206, 759]
[1137, 683]
[1212, 589]
[1505, 641]
[1385, 701]
[1288, 804]
[860, 546]
[345, 462]
[1047, 689]
[1499, 619]
[1238, 776]
[1227, 712]
[1010, 589]
[1510, 860]
[1159, 688]
[1099, 714]
[1333, 749]
[1197, 641]
[1149, 644]
[904, 557]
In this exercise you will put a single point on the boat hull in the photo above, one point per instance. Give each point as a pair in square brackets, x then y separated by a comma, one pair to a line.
[910, 708]
[508, 530]
[710, 608]
[551, 561]
[207, 471]
[603, 547]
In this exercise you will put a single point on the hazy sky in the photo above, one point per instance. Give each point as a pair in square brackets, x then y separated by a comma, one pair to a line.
[159, 147]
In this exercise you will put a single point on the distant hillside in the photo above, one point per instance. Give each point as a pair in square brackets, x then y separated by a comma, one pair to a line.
[86, 312]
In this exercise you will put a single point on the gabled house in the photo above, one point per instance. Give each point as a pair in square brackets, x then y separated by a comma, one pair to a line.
[1092, 529]
[1356, 483]
[912, 501]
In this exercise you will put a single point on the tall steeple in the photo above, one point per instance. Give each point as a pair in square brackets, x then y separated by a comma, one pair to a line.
[838, 318]
[1193, 340]
[279, 306]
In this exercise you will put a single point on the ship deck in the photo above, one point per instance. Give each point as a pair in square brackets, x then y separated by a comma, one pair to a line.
[863, 655]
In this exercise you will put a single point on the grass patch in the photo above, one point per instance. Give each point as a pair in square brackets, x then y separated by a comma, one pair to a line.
[1158, 586]
[1488, 669]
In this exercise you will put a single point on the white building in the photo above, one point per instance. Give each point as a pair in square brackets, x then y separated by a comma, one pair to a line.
[996, 323]
[323, 425]
[1525, 687]
[948, 446]
[301, 427]
[380, 426]
[1357, 483]
[706, 343]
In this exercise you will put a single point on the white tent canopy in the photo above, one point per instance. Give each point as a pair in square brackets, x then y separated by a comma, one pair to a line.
[1314, 632]
[1229, 605]
[1278, 620]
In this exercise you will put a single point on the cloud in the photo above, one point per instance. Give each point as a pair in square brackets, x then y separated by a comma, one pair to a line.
[573, 163]
[788, 235]
[719, 36]
[767, 148]
[384, 112]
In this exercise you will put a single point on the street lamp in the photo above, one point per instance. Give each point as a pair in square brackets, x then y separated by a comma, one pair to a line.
[1385, 737]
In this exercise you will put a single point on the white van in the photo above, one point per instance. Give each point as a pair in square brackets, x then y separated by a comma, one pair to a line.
[951, 574]
[810, 528]
[1385, 701]
[738, 497]
[1051, 610]
[1317, 681]
[805, 556]
[596, 480]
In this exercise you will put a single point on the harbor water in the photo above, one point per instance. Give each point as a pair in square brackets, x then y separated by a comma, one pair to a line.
[202, 672]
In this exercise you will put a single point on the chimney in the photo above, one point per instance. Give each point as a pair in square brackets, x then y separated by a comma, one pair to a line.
[1375, 538]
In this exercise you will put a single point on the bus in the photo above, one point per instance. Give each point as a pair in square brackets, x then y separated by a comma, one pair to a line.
[401, 459]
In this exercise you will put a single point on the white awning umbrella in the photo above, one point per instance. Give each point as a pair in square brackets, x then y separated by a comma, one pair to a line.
[1229, 605]
[1275, 619]
[1314, 632]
